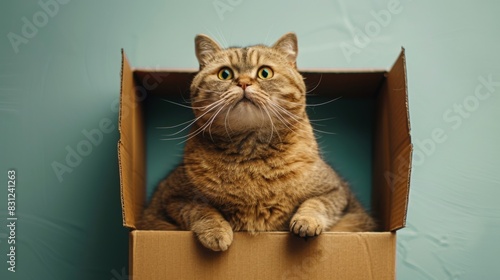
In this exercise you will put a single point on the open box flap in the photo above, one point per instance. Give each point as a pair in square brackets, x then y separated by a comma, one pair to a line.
[130, 148]
[392, 149]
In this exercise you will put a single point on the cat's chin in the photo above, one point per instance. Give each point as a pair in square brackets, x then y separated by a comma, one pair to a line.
[246, 106]
[246, 115]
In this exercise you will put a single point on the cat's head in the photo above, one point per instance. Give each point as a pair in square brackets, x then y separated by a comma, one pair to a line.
[250, 88]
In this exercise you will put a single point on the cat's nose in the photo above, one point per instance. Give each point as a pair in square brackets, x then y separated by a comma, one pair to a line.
[244, 84]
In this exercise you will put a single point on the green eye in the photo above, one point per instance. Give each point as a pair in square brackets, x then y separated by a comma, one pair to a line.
[225, 73]
[265, 73]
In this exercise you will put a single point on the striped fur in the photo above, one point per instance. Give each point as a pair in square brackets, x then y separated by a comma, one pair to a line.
[251, 162]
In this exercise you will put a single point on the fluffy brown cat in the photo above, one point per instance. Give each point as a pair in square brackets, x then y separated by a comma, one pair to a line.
[251, 162]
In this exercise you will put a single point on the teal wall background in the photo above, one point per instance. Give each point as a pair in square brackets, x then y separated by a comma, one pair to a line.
[59, 80]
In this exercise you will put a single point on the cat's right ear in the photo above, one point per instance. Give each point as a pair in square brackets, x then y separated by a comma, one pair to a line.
[205, 49]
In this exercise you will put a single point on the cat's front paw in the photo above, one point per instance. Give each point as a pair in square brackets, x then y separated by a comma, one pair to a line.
[306, 225]
[216, 237]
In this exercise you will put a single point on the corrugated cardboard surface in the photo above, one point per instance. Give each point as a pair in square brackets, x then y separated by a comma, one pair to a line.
[130, 148]
[392, 150]
[275, 255]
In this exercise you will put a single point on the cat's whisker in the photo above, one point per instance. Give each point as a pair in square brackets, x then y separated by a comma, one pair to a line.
[213, 35]
[223, 39]
[173, 126]
[212, 105]
[262, 99]
[178, 104]
[217, 106]
[189, 136]
[211, 121]
[173, 138]
[322, 120]
[298, 120]
[191, 123]
[293, 117]
[323, 103]
[210, 91]
[226, 125]
[267, 35]
[229, 95]
[316, 122]
[273, 128]
[323, 131]
[315, 104]
[192, 107]
[262, 115]
[286, 122]
[194, 133]
[279, 116]
[186, 100]
[316, 86]
[190, 101]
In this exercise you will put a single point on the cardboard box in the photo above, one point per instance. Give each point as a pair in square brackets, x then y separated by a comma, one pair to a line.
[274, 255]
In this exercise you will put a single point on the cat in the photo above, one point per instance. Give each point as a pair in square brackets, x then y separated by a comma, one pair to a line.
[251, 162]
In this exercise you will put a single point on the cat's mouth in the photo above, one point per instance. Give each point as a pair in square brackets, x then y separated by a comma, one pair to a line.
[245, 101]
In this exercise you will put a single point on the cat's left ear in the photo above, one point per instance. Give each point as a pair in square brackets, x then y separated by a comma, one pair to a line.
[205, 49]
[287, 44]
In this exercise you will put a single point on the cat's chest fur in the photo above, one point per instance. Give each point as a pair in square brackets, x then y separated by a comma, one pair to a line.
[256, 189]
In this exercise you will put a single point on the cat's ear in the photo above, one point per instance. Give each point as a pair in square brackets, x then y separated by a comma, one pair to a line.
[287, 44]
[205, 48]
